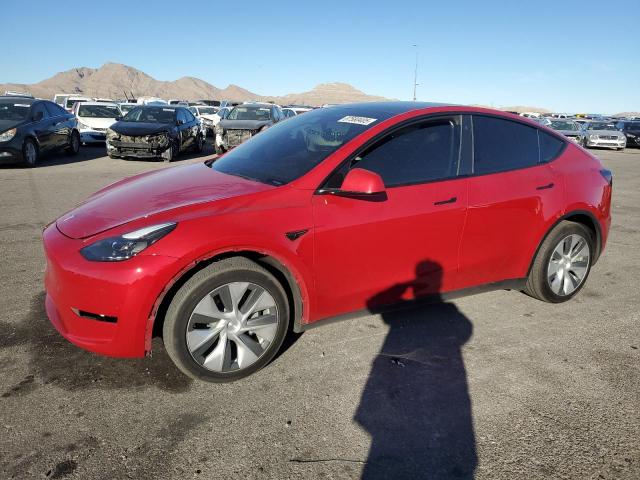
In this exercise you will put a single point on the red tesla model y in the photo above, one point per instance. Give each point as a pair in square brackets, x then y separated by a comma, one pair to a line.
[319, 217]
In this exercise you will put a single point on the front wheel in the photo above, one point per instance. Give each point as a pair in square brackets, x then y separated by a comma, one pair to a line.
[199, 146]
[562, 264]
[227, 321]
[170, 153]
[74, 144]
[30, 153]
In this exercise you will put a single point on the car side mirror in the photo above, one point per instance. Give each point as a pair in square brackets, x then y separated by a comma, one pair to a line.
[38, 116]
[362, 183]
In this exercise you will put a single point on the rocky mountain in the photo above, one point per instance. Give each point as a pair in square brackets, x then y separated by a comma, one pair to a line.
[112, 80]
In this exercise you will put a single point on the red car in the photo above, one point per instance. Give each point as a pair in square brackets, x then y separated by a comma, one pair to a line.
[341, 210]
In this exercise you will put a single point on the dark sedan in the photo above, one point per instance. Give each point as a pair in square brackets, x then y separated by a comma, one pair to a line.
[155, 131]
[631, 130]
[243, 122]
[30, 127]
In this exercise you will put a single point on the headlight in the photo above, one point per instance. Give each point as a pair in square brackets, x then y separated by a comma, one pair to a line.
[116, 249]
[8, 135]
[631, 135]
[111, 134]
[82, 126]
[206, 121]
[593, 137]
[158, 140]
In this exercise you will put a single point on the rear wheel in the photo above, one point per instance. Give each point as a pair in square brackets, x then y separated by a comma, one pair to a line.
[227, 321]
[30, 153]
[562, 264]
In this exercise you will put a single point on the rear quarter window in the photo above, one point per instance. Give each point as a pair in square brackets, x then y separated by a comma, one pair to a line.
[550, 146]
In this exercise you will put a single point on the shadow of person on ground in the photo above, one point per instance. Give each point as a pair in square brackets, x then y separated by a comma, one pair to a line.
[415, 404]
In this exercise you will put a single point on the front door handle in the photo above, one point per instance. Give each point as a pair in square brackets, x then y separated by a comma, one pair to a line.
[546, 187]
[444, 202]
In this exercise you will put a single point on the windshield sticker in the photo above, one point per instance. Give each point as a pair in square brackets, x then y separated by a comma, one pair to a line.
[167, 109]
[21, 105]
[264, 109]
[357, 120]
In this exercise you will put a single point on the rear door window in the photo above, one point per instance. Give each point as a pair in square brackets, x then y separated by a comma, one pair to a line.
[500, 145]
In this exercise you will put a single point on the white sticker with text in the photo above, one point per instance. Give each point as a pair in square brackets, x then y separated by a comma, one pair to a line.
[357, 120]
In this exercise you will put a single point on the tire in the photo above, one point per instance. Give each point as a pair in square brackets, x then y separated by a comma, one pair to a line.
[571, 272]
[30, 153]
[74, 144]
[199, 145]
[170, 154]
[205, 290]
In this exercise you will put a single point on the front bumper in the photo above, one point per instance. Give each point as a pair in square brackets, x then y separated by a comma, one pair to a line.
[11, 151]
[92, 136]
[136, 150]
[606, 143]
[103, 307]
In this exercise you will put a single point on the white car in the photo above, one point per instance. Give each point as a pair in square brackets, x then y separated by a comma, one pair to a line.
[126, 106]
[70, 102]
[94, 118]
[61, 99]
[208, 117]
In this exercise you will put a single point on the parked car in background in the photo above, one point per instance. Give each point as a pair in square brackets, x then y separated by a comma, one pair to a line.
[211, 103]
[126, 107]
[94, 118]
[155, 131]
[61, 99]
[30, 127]
[71, 101]
[327, 214]
[243, 122]
[207, 116]
[604, 134]
[569, 129]
[631, 129]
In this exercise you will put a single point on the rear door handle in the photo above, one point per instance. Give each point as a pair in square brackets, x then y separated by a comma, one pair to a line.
[444, 202]
[546, 187]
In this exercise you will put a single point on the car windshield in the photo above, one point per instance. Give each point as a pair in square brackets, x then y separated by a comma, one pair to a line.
[601, 126]
[98, 111]
[632, 126]
[206, 110]
[151, 115]
[126, 108]
[563, 125]
[290, 149]
[14, 111]
[250, 113]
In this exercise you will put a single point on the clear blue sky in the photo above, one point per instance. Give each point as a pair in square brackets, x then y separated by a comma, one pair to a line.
[566, 55]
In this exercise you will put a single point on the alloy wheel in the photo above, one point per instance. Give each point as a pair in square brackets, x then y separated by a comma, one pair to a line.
[568, 265]
[232, 327]
[30, 153]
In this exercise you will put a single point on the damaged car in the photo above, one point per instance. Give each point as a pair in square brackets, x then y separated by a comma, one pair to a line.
[155, 131]
[243, 122]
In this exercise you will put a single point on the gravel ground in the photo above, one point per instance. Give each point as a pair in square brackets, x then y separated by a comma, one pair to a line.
[495, 386]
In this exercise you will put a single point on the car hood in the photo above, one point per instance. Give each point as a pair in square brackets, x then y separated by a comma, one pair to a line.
[243, 124]
[213, 117]
[151, 193]
[97, 122]
[9, 124]
[134, 129]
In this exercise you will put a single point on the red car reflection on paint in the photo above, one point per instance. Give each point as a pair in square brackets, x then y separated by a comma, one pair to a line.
[319, 217]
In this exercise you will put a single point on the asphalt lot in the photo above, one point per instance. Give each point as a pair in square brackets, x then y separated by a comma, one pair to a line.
[498, 385]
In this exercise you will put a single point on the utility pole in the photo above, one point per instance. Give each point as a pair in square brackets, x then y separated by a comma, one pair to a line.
[415, 75]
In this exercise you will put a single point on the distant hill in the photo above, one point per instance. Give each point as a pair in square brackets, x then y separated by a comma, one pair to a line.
[112, 80]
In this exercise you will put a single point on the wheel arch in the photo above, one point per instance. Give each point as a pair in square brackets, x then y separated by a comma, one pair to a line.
[583, 217]
[285, 275]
